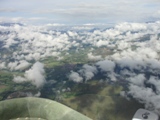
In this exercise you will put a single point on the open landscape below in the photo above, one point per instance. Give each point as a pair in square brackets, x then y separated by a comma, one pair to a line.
[105, 73]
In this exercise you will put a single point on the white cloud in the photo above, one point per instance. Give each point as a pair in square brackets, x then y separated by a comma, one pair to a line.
[2, 65]
[141, 93]
[74, 76]
[35, 75]
[137, 80]
[88, 71]
[94, 57]
[19, 79]
[135, 51]
[22, 65]
[36, 45]
[131, 64]
[106, 65]
[123, 27]
[101, 43]
[126, 72]
[12, 65]
[156, 82]
[112, 76]
[18, 65]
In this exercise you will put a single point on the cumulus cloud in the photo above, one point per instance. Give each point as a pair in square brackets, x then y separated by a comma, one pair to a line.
[131, 64]
[22, 65]
[154, 80]
[137, 80]
[143, 94]
[94, 57]
[12, 65]
[102, 43]
[74, 76]
[125, 72]
[145, 90]
[35, 75]
[106, 65]
[45, 41]
[134, 54]
[131, 27]
[19, 79]
[88, 71]
[18, 65]
[2, 65]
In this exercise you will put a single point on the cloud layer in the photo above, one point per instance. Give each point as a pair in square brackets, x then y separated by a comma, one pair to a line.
[126, 53]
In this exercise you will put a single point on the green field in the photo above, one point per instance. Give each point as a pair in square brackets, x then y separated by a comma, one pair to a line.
[104, 104]
[99, 101]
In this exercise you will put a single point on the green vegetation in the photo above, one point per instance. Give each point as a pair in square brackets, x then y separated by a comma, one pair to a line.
[51, 62]
[102, 102]
[68, 57]
[6, 77]
[99, 101]
[78, 57]
[8, 86]
[103, 51]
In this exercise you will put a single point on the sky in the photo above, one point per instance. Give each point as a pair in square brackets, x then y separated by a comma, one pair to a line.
[79, 11]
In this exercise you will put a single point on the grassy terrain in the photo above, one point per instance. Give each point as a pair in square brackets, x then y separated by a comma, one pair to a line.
[99, 101]
[68, 57]
[51, 62]
[5, 77]
[76, 57]
[104, 103]
[103, 51]
[8, 86]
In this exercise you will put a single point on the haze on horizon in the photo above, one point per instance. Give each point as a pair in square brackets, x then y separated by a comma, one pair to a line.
[79, 12]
